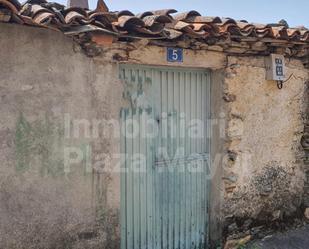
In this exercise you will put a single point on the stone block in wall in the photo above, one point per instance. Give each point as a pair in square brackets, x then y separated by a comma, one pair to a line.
[235, 129]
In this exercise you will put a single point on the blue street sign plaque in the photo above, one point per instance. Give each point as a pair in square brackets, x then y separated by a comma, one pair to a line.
[174, 54]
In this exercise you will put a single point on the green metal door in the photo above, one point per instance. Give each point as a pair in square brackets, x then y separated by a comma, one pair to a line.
[165, 145]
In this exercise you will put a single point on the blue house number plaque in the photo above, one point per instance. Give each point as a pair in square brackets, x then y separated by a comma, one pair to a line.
[174, 54]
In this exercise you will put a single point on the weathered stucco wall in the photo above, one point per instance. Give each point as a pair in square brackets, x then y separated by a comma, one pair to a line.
[54, 191]
[47, 201]
[263, 172]
[51, 196]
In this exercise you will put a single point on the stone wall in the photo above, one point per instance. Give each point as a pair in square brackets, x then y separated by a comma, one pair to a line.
[305, 145]
[54, 191]
[263, 174]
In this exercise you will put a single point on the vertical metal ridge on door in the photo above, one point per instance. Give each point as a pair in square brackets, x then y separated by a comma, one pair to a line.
[164, 188]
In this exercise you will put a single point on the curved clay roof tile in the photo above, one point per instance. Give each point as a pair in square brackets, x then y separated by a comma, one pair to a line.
[246, 29]
[227, 21]
[264, 32]
[124, 13]
[201, 26]
[38, 9]
[181, 25]
[9, 5]
[171, 34]
[149, 31]
[245, 25]
[81, 11]
[204, 19]
[186, 15]
[157, 27]
[304, 35]
[144, 14]
[165, 12]
[194, 34]
[127, 21]
[294, 34]
[150, 20]
[158, 24]
[119, 30]
[35, 2]
[188, 29]
[259, 26]
[280, 32]
[16, 3]
[73, 16]
[28, 20]
[105, 17]
[231, 28]
[43, 18]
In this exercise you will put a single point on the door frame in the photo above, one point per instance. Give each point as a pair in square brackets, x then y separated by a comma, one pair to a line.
[216, 146]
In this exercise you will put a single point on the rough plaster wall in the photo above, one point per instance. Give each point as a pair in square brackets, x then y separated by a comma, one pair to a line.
[42, 205]
[154, 55]
[45, 76]
[263, 172]
[217, 151]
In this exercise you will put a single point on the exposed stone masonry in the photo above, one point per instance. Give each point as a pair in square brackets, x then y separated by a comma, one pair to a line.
[305, 145]
[263, 175]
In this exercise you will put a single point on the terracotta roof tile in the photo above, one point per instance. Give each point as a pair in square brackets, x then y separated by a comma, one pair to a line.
[162, 25]
[204, 19]
[165, 12]
[10, 5]
[186, 15]
[124, 13]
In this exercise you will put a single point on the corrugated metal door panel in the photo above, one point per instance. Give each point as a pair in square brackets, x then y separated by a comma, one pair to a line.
[164, 205]
[183, 230]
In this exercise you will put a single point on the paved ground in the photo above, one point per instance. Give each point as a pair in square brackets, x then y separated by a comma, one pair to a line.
[296, 239]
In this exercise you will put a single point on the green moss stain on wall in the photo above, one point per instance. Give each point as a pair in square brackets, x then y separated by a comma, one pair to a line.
[48, 141]
[39, 143]
[23, 142]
